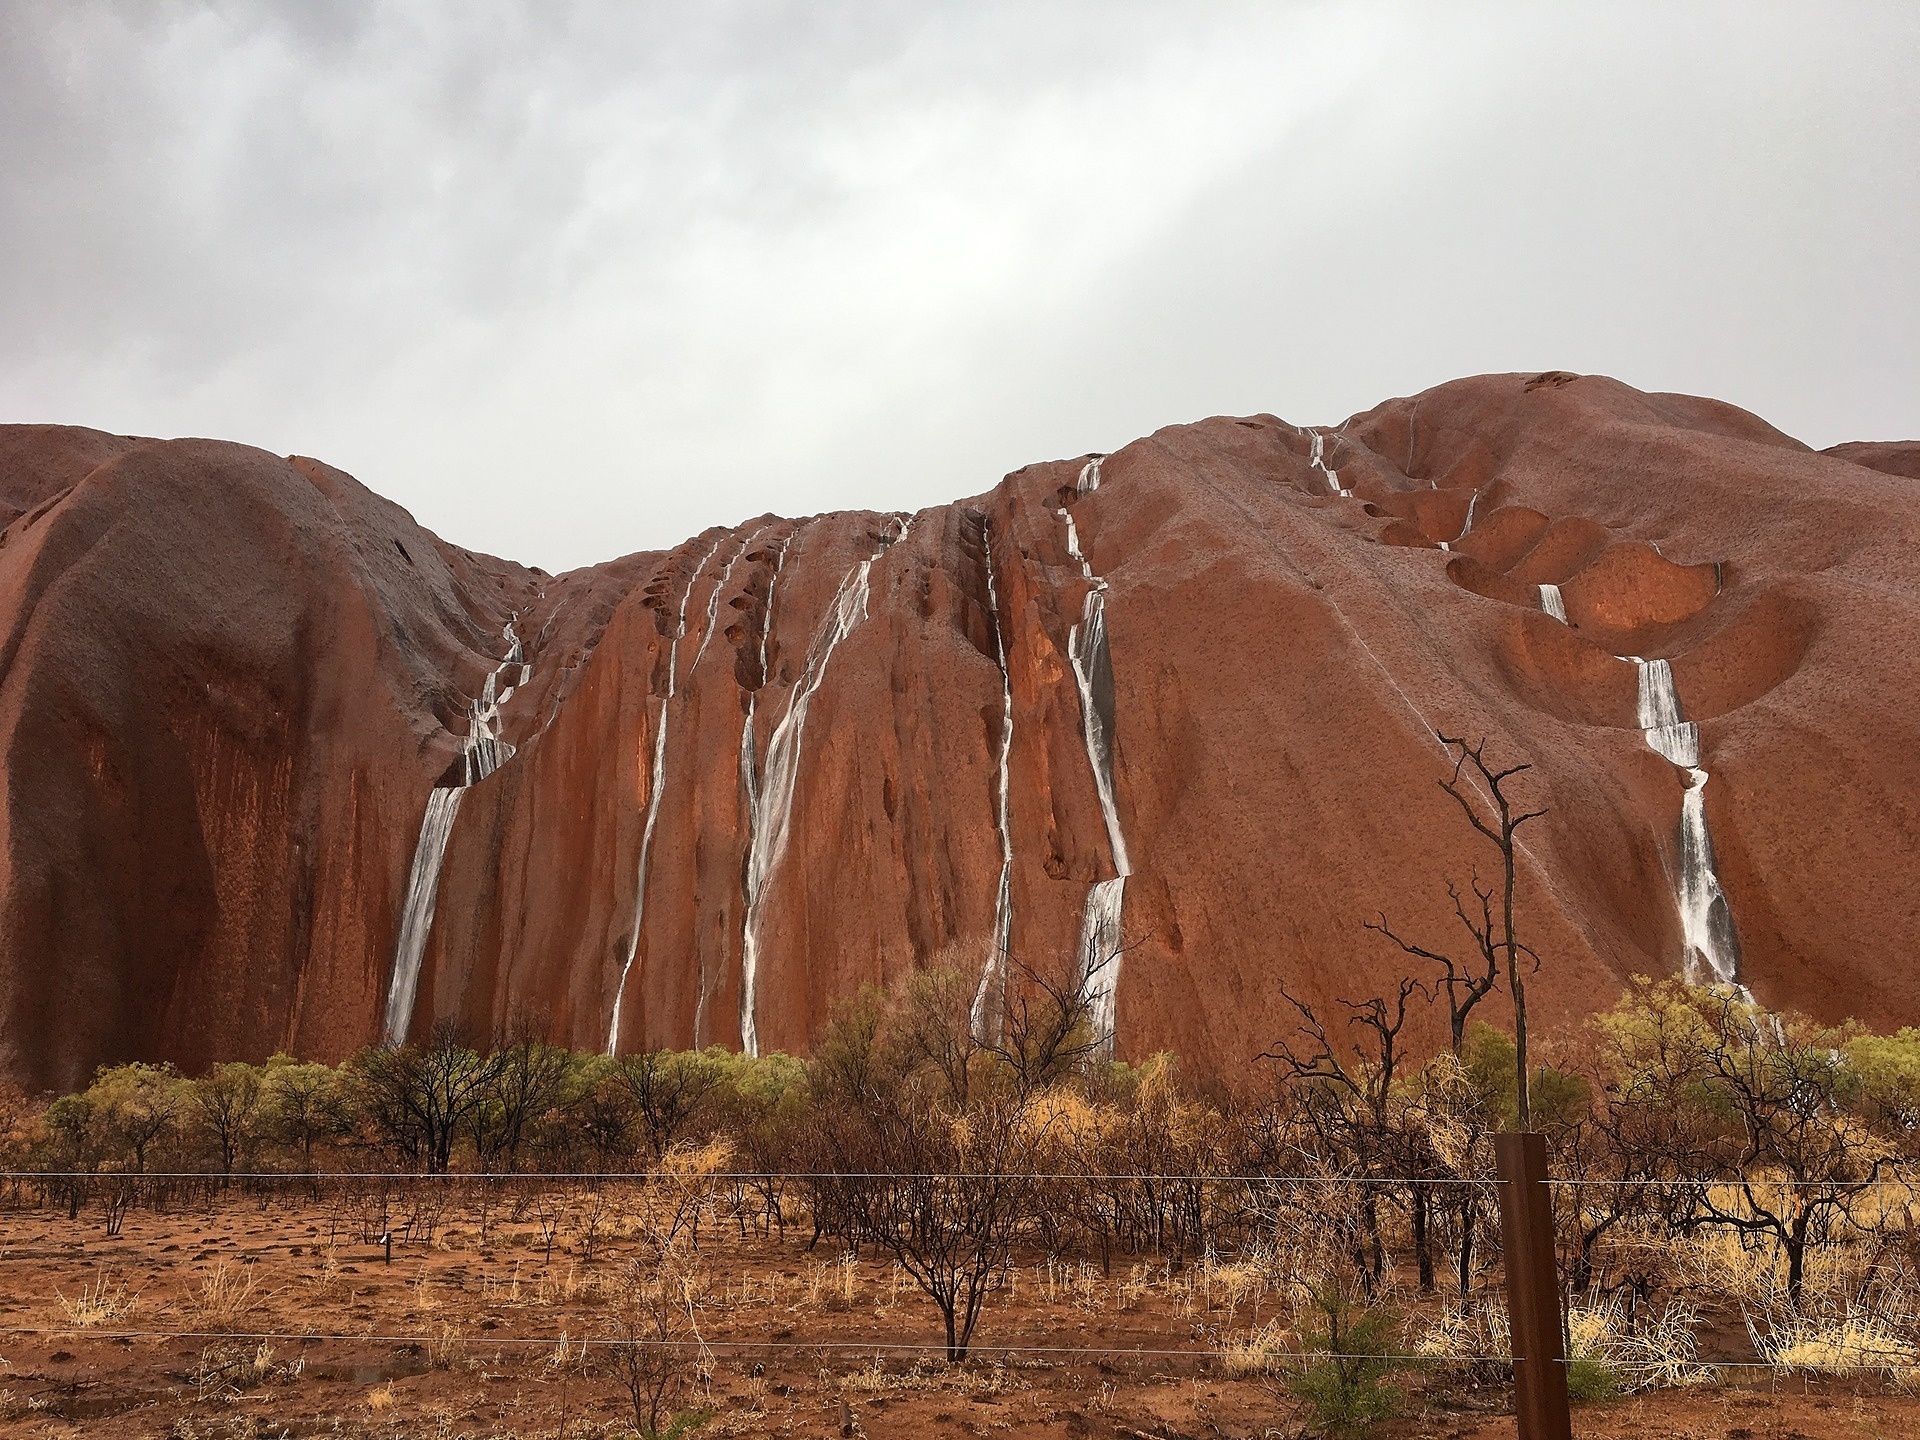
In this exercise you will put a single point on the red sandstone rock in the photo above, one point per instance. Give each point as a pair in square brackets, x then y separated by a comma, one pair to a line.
[229, 681]
[1895, 457]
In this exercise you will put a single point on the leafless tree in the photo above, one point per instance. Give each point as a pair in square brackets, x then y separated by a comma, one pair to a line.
[420, 1098]
[934, 1019]
[945, 1194]
[670, 1088]
[1047, 1031]
[528, 1078]
[1468, 981]
[1347, 1100]
[653, 1348]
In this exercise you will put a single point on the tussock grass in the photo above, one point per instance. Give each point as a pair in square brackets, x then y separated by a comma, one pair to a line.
[1465, 1332]
[1261, 1351]
[924, 1375]
[224, 1298]
[1646, 1351]
[1855, 1342]
[102, 1302]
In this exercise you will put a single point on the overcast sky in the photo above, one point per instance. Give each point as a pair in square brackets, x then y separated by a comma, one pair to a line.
[574, 280]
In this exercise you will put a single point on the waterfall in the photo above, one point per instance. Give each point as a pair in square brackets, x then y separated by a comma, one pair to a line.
[416, 915]
[771, 794]
[1093, 675]
[749, 776]
[1100, 942]
[1706, 919]
[654, 789]
[482, 753]
[1669, 733]
[713, 600]
[1087, 651]
[1318, 461]
[993, 976]
[1553, 603]
[1465, 525]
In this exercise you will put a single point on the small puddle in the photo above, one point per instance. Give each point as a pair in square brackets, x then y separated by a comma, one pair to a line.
[97, 1404]
[368, 1372]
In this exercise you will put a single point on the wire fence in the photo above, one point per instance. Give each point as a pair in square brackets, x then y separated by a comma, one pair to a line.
[1872, 1360]
[495, 1176]
[1138, 1177]
[1862, 1360]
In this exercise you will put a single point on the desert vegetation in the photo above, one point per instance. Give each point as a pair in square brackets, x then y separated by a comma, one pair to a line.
[914, 1207]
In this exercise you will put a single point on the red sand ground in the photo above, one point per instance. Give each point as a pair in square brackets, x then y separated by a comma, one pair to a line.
[435, 1346]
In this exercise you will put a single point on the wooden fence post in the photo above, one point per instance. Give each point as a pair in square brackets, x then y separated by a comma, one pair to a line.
[1533, 1289]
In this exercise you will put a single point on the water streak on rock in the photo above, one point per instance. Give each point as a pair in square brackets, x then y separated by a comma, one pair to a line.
[1092, 661]
[654, 789]
[1318, 461]
[1706, 919]
[989, 998]
[483, 753]
[771, 795]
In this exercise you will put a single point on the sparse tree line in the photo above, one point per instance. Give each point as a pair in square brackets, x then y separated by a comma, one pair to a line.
[1681, 1111]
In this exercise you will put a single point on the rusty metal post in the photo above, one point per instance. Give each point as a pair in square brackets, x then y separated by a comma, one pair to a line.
[1533, 1289]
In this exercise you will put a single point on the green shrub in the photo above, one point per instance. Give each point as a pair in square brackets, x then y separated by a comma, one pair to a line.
[1590, 1379]
[1351, 1390]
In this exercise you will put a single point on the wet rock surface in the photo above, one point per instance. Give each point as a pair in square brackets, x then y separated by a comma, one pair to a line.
[230, 681]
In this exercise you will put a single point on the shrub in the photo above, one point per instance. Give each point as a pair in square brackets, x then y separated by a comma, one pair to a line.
[1351, 1389]
[1589, 1379]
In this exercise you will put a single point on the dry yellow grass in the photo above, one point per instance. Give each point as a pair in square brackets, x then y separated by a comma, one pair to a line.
[1465, 1330]
[102, 1302]
[224, 1298]
[1259, 1351]
[1652, 1350]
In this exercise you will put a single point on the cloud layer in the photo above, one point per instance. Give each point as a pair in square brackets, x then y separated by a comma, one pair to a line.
[574, 280]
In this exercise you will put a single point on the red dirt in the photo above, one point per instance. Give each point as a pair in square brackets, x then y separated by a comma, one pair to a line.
[457, 1337]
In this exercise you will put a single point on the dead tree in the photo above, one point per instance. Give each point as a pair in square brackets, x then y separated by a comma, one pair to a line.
[654, 1351]
[945, 1194]
[1047, 1031]
[1495, 942]
[1347, 1102]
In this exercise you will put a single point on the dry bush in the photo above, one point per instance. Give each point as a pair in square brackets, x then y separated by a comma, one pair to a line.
[1866, 1319]
[1641, 1349]
[1261, 1351]
[831, 1284]
[652, 1346]
[324, 1281]
[225, 1296]
[1249, 1279]
[231, 1369]
[1856, 1340]
[685, 1188]
[981, 1379]
[1469, 1333]
[103, 1302]
[590, 1210]
[502, 1292]
[1754, 1275]
[445, 1347]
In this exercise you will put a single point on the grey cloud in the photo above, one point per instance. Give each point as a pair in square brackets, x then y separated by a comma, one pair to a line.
[574, 279]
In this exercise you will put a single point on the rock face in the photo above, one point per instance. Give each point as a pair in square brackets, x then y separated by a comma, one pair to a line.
[736, 780]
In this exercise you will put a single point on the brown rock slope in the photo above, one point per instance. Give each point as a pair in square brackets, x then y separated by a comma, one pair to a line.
[229, 682]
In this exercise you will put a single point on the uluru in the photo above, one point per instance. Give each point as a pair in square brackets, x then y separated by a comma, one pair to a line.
[284, 771]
